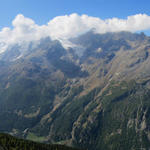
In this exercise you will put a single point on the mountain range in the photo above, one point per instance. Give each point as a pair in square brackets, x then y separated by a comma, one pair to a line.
[90, 91]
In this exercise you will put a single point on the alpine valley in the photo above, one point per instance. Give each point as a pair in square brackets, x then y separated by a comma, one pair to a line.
[90, 92]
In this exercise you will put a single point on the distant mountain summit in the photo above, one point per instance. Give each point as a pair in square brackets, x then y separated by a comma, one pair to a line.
[90, 92]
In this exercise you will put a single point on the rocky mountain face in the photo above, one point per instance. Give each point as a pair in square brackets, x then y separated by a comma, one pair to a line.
[94, 94]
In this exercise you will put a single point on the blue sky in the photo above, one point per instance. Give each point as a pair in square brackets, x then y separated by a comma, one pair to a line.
[41, 11]
[28, 20]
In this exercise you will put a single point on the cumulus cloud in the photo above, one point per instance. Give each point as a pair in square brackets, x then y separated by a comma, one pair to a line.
[73, 25]
[64, 27]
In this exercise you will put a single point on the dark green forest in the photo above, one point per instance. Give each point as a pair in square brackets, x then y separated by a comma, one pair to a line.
[8, 142]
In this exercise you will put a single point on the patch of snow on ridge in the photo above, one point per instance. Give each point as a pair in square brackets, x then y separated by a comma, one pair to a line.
[79, 50]
[3, 47]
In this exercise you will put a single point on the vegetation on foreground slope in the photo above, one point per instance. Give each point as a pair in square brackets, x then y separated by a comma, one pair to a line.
[8, 142]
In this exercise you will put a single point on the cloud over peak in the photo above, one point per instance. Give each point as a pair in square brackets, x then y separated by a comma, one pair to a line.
[64, 27]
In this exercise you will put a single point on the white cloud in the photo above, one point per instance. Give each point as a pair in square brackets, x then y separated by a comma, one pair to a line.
[63, 27]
